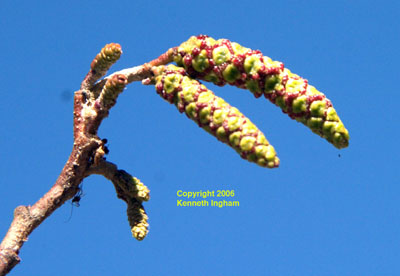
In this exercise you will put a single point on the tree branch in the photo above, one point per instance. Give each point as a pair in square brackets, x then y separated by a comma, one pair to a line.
[218, 61]
[91, 105]
[27, 218]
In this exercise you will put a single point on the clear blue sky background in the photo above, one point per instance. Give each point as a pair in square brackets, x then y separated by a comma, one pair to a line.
[318, 214]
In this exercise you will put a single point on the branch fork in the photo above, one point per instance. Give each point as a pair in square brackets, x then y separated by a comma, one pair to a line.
[92, 104]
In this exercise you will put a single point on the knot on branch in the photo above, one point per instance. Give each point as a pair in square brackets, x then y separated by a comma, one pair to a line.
[22, 212]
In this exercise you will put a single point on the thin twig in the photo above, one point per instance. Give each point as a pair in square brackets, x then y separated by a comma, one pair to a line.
[86, 158]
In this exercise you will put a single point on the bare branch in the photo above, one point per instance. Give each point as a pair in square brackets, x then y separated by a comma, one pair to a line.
[27, 218]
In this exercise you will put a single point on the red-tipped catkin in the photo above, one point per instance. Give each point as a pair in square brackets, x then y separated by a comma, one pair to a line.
[214, 115]
[222, 61]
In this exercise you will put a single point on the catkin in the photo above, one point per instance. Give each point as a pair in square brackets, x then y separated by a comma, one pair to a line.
[214, 115]
[225, 62]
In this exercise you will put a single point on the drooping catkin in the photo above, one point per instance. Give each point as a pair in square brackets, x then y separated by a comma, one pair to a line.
[214, 115]
[222, 61]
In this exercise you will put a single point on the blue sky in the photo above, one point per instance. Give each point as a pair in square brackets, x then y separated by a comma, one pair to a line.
[317, 214]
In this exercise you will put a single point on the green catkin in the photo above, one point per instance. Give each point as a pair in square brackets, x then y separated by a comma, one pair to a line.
[222, 61]
[132, 186]
[141, 191]
[107, 57]
[214, 115]
[112, 88]
[137, 218]
[100, 65]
